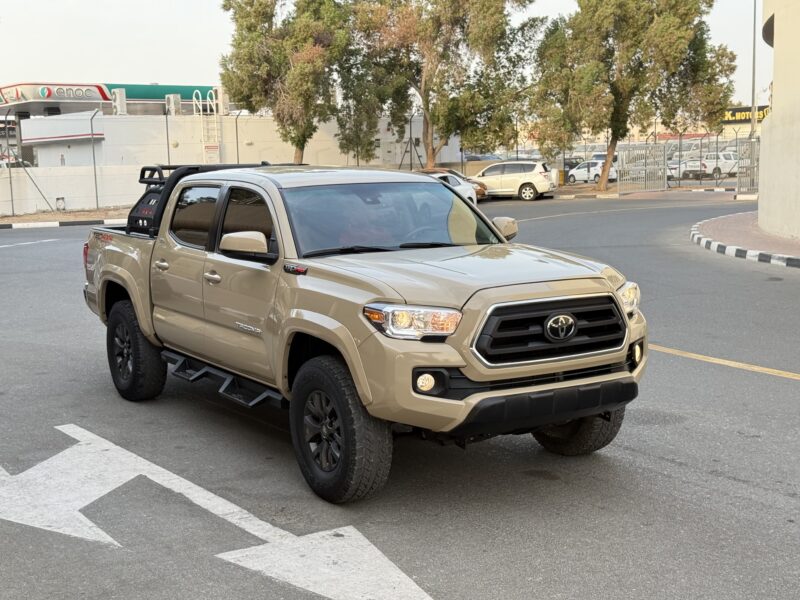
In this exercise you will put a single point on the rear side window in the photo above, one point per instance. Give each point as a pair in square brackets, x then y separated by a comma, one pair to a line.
[514, 169]
[194, 214]
[246, 211]
[544, 168]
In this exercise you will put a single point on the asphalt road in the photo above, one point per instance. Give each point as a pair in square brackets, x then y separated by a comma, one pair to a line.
[699, 496]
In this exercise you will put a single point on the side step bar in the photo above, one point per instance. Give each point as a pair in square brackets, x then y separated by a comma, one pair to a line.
[241, 390]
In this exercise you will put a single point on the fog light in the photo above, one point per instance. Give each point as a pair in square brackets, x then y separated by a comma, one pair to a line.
[426, 382]
[637, 353]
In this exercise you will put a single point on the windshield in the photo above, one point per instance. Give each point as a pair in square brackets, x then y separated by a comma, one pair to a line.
[364, 217]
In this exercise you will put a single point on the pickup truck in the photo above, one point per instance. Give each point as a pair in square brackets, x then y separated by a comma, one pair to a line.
[367, 303]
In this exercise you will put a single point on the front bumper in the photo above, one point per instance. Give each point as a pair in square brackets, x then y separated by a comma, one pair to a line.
[527, 412]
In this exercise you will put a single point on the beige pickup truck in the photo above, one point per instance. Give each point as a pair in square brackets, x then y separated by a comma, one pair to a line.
[366, 303]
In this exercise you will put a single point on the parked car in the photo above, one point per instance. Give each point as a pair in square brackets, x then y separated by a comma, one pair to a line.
[528, 179]
[364, 303]
[720, 164]
[460, 184]
[602, 156]
[590, 170]
[685, 169]
[480, 189]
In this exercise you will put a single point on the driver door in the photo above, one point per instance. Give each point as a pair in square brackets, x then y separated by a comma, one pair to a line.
[239, 291]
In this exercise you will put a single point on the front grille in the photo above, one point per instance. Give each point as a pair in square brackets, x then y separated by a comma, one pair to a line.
[515, 333]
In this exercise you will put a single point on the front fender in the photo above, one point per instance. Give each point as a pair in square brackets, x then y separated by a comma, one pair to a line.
[328, 330]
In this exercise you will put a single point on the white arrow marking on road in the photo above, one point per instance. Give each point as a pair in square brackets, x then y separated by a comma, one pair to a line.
[340, 564]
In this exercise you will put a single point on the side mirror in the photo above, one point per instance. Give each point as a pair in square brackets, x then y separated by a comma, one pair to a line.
[507, 226]
[251, 244]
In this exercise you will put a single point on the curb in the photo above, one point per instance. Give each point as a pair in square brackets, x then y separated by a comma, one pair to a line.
[581, 196]
[737, 252]
[38, 224]
[714, 189]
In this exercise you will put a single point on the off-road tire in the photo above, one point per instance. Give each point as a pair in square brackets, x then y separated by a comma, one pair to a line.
[142, 373]
[572, 179]
[528, 191]
[582, 436]
[366, 448]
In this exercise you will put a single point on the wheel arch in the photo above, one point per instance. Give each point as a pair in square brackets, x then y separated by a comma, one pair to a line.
[116, 286]
[316, 335]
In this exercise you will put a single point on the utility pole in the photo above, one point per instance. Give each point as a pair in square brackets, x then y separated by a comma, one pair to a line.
[753, 108]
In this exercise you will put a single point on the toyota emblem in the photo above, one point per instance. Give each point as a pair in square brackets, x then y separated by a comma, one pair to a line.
[560, 328]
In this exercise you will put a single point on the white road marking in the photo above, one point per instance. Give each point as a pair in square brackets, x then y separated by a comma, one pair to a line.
[28, 243]
[340, 564]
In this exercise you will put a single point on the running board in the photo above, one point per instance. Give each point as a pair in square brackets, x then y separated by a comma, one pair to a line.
[240, 390]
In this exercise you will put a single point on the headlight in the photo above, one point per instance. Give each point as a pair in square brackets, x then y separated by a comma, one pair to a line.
[412, 322]
[631, 296]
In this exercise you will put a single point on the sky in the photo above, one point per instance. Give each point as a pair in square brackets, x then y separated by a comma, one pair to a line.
[181, 41]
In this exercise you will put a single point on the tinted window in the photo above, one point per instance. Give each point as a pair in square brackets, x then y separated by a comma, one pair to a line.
[514, 169]
[381, 214]
[583, 165]
[545, 168]
[194, 214]
[453, 181]
[493, 170]
[246, 211]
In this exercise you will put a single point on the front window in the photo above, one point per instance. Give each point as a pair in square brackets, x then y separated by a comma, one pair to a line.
[364, 217]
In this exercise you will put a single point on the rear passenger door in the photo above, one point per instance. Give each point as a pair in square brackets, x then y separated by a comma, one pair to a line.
[239, 290]
[176, 270]
[513, 174]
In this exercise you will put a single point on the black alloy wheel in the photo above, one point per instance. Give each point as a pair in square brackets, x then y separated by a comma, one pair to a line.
[323, 431]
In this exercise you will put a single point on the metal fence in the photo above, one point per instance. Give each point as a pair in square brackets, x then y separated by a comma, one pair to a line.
[642, 168]
[747, 173]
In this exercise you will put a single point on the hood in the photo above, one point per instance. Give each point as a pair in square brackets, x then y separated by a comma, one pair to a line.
[450, 276]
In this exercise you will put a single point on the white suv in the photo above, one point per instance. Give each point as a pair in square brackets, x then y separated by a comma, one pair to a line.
[527, 179]
[590, 171]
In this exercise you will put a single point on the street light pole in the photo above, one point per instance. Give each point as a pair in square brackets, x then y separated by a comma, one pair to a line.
[753, 98]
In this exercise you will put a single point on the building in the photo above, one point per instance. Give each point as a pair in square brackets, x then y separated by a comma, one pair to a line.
[86, 142]
[779, 177]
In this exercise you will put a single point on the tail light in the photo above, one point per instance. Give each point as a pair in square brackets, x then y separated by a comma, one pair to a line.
[85, 254]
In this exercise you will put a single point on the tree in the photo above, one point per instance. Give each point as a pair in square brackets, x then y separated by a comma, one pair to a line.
[617, 63]
[437, 46]
[286, 66]
[369, 88]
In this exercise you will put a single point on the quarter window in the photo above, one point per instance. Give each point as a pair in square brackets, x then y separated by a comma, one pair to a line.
[194, 214]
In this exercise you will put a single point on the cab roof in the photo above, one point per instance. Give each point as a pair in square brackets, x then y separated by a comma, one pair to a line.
[302, 176]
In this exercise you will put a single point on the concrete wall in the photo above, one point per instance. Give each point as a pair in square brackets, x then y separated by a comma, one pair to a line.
[116, 186]
[137, 140]
[779, 177]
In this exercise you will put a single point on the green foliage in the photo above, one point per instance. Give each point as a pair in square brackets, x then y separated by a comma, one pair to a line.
[615, 63]
[287, 67]
[439, 48]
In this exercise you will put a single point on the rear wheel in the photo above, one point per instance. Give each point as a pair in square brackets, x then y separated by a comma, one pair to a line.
[344, 453]
[597, 178]
[528, 191]
[717, 172]
[137, 369]
[581, 436]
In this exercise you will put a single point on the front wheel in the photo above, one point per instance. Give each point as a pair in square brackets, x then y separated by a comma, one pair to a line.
[137, 369]
[572, 178]
[528, 191]
[581, 436]
[597, 178]
[344, 453]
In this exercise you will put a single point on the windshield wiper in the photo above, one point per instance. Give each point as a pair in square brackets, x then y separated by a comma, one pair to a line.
[427, 245]
[346, 250]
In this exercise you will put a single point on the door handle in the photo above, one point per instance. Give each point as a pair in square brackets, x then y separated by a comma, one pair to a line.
[161, 265]
[212, 277]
